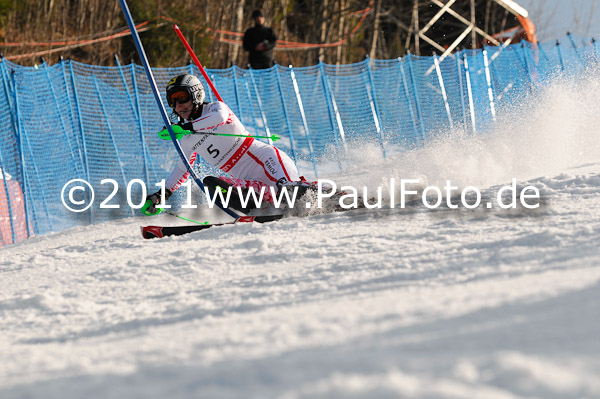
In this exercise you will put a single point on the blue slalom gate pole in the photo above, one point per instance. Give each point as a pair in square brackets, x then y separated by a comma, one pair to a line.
[163, 111]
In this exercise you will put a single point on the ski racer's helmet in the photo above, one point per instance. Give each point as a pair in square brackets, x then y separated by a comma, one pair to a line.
[190, 87]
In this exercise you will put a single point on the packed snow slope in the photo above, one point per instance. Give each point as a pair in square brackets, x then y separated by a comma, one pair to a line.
[391, 303]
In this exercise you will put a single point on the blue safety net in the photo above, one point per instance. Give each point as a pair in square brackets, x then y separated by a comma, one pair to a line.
[99, 124]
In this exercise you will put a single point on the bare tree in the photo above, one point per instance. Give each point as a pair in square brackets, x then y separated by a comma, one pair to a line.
[375, 29]
[345, 29]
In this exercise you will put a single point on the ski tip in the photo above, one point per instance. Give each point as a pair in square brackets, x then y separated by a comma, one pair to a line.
[151, 232]
[259, 218]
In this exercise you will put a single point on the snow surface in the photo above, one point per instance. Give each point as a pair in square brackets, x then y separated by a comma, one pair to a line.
[390, 303]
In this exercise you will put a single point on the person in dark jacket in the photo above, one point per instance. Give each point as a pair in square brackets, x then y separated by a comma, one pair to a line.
[259, 42]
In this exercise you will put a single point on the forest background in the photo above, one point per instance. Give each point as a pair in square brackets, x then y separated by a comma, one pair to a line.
[49, 28]
[334, 31]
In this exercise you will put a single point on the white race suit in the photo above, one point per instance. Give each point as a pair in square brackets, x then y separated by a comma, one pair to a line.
[240, 157]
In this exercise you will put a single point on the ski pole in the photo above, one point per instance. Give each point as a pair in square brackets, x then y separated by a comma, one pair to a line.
[181, 217]
[197, 62]
[180, 132]
[161, 107]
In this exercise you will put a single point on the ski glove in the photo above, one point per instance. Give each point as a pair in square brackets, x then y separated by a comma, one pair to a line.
[149, 208]
[179, 130]
[187, 126]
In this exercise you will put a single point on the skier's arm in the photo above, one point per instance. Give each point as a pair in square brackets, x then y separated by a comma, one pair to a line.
[218, 114]
[180, 173]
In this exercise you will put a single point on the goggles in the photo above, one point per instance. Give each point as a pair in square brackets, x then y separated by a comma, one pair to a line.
[180, 97]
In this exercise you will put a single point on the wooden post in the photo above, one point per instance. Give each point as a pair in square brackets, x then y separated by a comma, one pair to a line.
[239, 25]
[416, 26]
[375, 29]
[323, 29]
[473, 24]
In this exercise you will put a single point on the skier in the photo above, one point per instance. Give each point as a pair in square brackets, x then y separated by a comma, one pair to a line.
[249, 162]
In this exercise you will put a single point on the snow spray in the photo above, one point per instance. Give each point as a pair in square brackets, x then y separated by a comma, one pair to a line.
[542, 134]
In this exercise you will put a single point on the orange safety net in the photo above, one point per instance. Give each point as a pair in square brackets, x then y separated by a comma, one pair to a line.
[68, 44]
[73, 43]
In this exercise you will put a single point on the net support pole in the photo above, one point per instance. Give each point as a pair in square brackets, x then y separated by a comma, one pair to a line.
[469, 92]
[413, 80]
[333, 110]
[237, 93]
[135, 107]
[304, 121]
[374, 108]
[488, 79]
[560, 57]
[286, 114]
[413, 117]
[438, 70]
[260, 106]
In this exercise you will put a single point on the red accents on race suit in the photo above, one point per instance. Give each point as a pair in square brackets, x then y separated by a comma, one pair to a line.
[257, 185]
[239, 157]
[228, 121]
[185, 176]
[238, 154]
[258, 161]
[281, 163]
